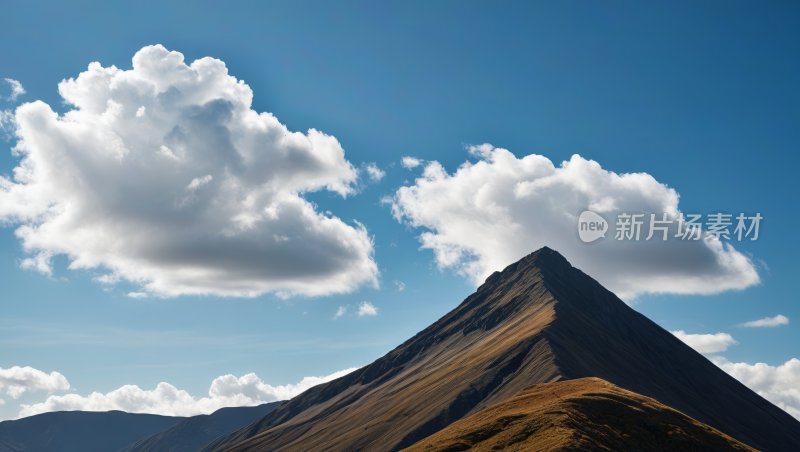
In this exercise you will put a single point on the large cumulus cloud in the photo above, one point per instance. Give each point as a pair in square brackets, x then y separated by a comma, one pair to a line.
[165, 176]
[490, 214]
[167, 400]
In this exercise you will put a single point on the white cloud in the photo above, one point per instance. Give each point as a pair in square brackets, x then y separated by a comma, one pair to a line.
[17, 380]
[2, 402]
[400, 286]
[6, 121]
[780, 385]
[199, 182]
[40, 262]
[767, 322]
[167, 152]
[16, 89]
[167, 400]
[340, 312]
[200, 195]
[366, 308]
[136, 294]
[106, 279]
[706, 343]
[191, 189]
[410, 162]
[492, 213]
[375, 173]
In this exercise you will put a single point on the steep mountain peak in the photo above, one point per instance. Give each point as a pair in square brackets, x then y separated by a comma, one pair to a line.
[539, 320]
[542, 260]
[543, 278]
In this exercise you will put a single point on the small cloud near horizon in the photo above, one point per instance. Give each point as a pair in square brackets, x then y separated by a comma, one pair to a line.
[767, 322]
[778, 384]
[166, 399]
[18, 380]
[706, 343]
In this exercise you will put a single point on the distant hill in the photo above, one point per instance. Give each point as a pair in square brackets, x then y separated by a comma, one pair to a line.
[80, 431]
[587, 414]
[540, 320]
[193, 433]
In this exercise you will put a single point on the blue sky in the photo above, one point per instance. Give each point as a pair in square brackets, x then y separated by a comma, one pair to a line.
[702, 97]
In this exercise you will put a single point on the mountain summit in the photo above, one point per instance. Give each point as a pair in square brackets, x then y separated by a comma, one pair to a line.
[540, 320]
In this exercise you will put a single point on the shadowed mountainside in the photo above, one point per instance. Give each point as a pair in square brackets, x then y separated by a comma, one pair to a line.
[539, 321]
[195, 432]
[79, 431]
[587, 414]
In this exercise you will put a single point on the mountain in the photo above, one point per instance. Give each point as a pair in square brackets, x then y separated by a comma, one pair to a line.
[587, 414]
[195, 432]
[539, 320]
[79, 431]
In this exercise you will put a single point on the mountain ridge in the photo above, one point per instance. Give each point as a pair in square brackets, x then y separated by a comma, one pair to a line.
[539, 320]
[194, 432]
[80, 431]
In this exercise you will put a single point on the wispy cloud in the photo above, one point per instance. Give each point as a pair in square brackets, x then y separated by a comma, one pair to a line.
[6, 123]
[340, 312]
[767, 322]
[16, 89]
[30, 335]
[375, 173]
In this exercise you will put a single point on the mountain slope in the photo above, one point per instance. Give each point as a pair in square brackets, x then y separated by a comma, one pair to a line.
[587, 414]
[195, 432]
[79, 431]
[540, 320]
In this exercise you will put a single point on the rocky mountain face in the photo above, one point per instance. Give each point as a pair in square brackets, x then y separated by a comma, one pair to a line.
[540, 320]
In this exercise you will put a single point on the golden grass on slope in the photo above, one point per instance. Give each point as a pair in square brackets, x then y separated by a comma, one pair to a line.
[586, 414]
